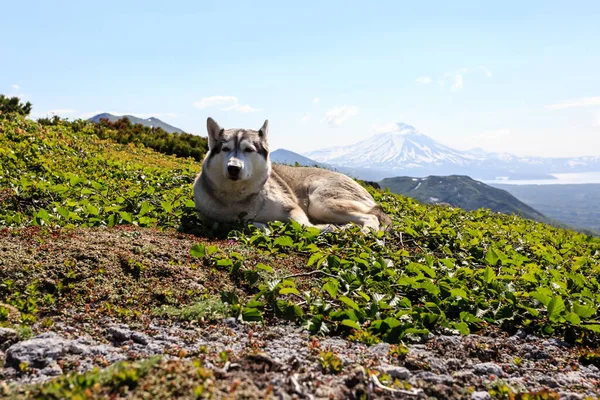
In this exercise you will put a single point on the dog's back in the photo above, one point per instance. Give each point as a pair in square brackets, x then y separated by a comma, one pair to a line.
[330, 197]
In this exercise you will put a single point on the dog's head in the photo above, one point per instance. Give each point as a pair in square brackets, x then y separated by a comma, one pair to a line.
[241, 153]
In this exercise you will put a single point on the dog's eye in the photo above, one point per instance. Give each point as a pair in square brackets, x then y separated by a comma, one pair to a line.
[225, 149]
[249, 150]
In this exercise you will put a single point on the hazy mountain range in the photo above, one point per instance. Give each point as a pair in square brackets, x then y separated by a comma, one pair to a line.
[405, 151]
[149, 122]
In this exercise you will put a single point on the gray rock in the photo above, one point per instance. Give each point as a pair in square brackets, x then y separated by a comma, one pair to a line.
[7, 337]
[38, 352]
[438, 366]
[380, 350]
[140, 338]
[487, 369]
[480, 396]
[230, 322]
[435, 378]
[101, 350]
[571, 378]
[570, 396]
[395, 371]
[532, 338]
[453, 341]
[154, 348]
[120, 333]
[537, 354]
[547, 380]
[51, 370]
[593, 369]
[555, 342]
[521, 334]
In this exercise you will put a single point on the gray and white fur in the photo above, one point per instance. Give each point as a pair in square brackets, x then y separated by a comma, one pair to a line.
[238, 178]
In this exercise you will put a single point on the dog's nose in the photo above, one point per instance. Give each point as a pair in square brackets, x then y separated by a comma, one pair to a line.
[233, 170]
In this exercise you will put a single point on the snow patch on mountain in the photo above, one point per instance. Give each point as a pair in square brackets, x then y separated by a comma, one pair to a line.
[403, 147]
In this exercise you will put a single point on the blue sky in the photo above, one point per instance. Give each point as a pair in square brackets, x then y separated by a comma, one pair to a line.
[521, 77]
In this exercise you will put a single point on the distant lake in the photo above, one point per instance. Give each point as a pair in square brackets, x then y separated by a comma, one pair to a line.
[569, 178]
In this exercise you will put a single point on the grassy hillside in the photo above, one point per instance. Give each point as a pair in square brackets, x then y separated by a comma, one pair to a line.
[437, 268]
[460, 191]
[575, 205]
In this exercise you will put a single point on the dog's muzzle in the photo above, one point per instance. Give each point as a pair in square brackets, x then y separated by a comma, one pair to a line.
[234, 172]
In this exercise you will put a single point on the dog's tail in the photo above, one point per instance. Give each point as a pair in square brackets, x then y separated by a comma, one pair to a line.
[384, 219]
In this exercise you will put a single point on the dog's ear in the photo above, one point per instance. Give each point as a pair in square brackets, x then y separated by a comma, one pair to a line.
[264, 130]
[215, 132]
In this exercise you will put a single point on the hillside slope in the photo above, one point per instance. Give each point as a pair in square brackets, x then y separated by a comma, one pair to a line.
[103, 263]
[149, 122]
[460, 191]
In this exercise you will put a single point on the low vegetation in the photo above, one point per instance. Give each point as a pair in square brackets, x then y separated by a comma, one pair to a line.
[13, 105]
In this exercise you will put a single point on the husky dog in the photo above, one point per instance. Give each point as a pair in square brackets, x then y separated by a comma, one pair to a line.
[237, 178]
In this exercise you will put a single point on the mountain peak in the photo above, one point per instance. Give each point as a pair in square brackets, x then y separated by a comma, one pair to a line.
[402, 127]
[398, 128]
[149, 122]
[398, 146]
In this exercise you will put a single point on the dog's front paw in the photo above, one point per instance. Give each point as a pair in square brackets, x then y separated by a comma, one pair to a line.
[263, 227]
[328, 228]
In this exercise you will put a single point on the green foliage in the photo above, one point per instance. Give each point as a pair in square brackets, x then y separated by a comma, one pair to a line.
[330, 362]
[10, 105]
[60, 176]
[143, 379]
[590, 356]
[123, 131]
[179, 144]
[209, 309]
[436, 269]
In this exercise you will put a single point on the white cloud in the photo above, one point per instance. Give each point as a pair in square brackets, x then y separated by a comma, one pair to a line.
[338, 115]
[316, 100]
[424, 80]
[216, 101]
[227, 103]
[457, 78]
[241, 108]
[306, 118]
[16, 87]
[576, 103]
[392, 127]
[458, 82]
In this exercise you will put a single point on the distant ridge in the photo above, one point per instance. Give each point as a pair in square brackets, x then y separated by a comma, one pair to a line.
[149, 122]
[282, 156]
[463, 192]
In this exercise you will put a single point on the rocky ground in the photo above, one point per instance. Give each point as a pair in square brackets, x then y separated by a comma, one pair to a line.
[286, 362]
[94, 294]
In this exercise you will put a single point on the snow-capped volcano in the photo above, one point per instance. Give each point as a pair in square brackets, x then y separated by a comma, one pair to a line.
[404, 150]
[403, 147]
